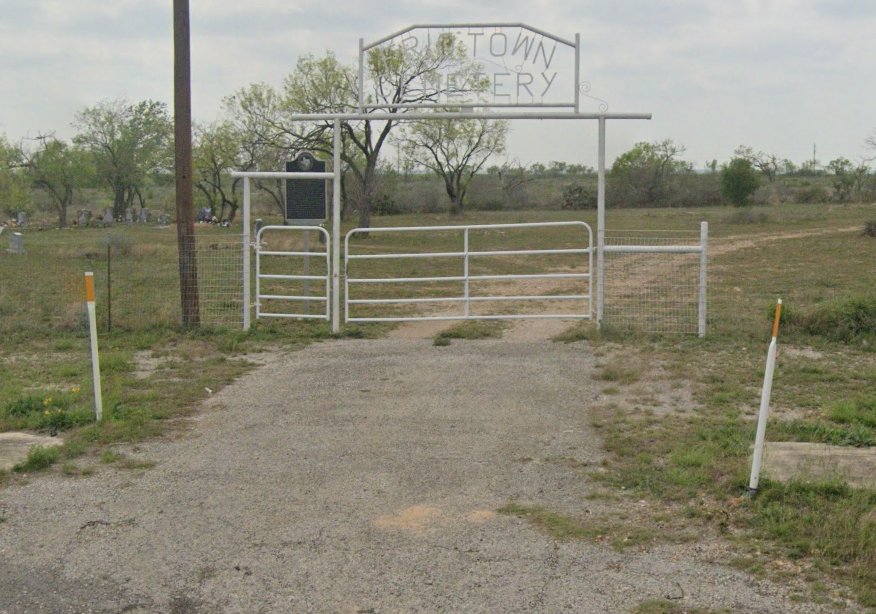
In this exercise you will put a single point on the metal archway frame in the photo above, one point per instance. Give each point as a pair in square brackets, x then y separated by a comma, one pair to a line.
[467, 111]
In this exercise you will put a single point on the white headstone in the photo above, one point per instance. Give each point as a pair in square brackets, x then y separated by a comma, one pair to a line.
[84, 217]
[21, 219]
[108, 219]
[145, 215]
[16, 243]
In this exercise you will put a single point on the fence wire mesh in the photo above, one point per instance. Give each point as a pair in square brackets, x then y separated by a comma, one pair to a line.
[652, 292]
[136, 273]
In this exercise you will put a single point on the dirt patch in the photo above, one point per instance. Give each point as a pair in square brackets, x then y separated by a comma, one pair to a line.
[145, 364]
[416, 518]
[14, 447]
[817, 461]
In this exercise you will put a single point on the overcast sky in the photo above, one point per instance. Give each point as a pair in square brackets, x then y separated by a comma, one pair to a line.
[778, 75]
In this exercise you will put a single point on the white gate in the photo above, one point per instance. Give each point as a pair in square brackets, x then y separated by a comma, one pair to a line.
[303, 298]
[580, 273]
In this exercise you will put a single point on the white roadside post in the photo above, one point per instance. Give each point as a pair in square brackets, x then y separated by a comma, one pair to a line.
[764, 406]
[95, 358]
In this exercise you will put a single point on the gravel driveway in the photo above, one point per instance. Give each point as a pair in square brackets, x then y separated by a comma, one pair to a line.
[356, 476]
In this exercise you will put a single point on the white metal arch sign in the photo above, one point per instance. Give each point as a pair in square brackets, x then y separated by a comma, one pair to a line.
[522, 66]
[495, 65]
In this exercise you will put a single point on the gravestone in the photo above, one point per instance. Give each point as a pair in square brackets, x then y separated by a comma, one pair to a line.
[16, 243]
[84, 217]
[145, 215]
[108, 219]
[258, 226]
[163, 219]
[129, 216]
[21, 219]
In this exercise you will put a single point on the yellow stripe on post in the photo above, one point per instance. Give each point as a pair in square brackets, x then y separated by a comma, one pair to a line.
[89, 287]
[776, 321]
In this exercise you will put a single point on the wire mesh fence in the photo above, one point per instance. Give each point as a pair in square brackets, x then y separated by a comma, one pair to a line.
[652, 292]
[136, 274]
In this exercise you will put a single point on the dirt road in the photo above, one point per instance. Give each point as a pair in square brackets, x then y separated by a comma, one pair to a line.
[357, 476]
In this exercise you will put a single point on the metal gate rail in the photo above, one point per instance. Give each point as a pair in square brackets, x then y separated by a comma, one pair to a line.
[466, 277]
[259, 297]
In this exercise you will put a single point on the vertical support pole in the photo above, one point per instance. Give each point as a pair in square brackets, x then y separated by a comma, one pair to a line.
[336, 224]
[704, 247]
[764, 406]
[361, 108]
[600, 228]
[258, 274]
[306, 271]
[95, 357]
[109, 288]
[577, 72]
[182, 121]
[465, 269]
[246, 248]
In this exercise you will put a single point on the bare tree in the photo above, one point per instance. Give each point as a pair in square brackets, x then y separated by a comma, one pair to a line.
[768, 164]
[324, 85]
[455, 150]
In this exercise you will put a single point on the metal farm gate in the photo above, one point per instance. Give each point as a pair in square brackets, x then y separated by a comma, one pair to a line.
[292, 285]
[461, 289]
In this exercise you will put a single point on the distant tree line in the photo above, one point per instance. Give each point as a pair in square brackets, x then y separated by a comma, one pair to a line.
[125, 148]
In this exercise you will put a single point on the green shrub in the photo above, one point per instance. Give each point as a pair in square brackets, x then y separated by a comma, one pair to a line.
[579, 196]
[846, 320]
[739, 181]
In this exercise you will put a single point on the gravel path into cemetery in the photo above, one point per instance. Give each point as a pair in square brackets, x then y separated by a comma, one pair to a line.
[358, 476]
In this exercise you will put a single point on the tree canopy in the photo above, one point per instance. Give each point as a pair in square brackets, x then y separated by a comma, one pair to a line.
[129, 142]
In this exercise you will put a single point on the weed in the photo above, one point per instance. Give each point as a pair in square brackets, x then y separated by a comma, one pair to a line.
[853, 434]
[441, 341]
[578, 332]
[861, 411]
[621, 370]
[870, 229]
[475, 329]
[846, 320]
[23, 407]
[109, 456]
[38, 458]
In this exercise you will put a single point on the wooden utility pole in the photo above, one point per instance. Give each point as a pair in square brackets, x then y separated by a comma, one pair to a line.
[182, 112]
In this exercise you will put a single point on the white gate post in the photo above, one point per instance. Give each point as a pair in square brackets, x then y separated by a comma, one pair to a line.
[465, 269]
[600, 228]
[336, 226]
[246, 248]
[704, 246]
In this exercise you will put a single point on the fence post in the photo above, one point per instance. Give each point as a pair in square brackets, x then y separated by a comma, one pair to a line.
[246, 248]
[704, 248]
[763, 414]
[600, 228]
[109, 288]
[465, 269]
[95, 357]
[336, 221]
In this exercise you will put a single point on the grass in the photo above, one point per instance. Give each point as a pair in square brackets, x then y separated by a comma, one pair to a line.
[475, 329]
[697, 460]
[38, 458]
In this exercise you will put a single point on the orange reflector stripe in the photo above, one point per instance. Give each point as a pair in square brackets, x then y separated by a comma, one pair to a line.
[776, 321]
[89, 287]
